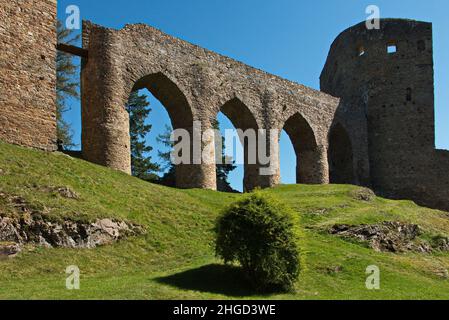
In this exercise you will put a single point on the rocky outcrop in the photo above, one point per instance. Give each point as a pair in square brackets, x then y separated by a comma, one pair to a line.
[65, 234]
[390, 236]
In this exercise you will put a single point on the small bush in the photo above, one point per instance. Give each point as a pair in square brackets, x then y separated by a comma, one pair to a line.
[259, 233]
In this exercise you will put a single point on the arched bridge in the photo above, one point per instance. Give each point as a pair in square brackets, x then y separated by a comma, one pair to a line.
[195, 84]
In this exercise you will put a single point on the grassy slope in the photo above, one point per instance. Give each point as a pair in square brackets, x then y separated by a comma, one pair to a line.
[175, 259]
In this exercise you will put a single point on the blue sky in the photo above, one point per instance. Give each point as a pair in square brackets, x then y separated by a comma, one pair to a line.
[289, 38]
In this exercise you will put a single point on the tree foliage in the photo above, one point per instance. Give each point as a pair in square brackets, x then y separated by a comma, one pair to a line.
[225, 167]
[166, 165]
[259, 233]
[141, 163]
[67, 85]
[169, 178]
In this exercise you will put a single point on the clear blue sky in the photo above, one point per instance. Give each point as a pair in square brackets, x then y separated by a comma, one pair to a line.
[289, 38]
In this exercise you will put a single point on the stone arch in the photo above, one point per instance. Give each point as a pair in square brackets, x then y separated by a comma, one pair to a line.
[170, 96]
[340, 155]
[308, 154]
[181, 116]
[242, 118]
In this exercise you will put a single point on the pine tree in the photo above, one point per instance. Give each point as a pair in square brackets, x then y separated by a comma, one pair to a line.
[141, 164]
[67, 86]
[226, 166]
[169, 177]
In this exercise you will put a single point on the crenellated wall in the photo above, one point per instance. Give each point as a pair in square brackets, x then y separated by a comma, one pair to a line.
[28, 73]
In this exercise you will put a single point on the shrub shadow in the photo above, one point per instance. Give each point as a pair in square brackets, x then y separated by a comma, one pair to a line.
[213, 278]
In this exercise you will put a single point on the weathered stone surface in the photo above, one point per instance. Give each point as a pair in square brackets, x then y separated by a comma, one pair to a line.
[386, 237]
[28, 73]
[194, 84]
[9, 249]
[66, 234]
[387, 106]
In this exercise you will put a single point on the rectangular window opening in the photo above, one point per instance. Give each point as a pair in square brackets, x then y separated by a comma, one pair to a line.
[392, 48]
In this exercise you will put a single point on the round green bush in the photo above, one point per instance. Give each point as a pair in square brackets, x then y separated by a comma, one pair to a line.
[259, 233]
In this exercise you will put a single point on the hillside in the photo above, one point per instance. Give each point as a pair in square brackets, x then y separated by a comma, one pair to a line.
[174, 259]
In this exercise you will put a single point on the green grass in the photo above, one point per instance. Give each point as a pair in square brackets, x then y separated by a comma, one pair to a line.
[175, 258]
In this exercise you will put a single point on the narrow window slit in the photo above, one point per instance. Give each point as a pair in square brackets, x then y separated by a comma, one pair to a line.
[409, 94]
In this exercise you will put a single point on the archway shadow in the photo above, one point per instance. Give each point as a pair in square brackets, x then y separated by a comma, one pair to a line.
[213, 278]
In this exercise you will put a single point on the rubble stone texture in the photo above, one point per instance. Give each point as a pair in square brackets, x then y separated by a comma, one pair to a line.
[387, 102]
[28, 73]
[372, 123]
[195, 84]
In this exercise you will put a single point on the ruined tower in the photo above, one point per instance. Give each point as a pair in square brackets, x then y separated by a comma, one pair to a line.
[386, 74]
[28, 73]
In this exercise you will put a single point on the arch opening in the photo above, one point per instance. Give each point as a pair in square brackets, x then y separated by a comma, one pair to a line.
[170, 96]
[169, 110]
[308, 169]
[340, 156]
[242, 119]
[287, 159]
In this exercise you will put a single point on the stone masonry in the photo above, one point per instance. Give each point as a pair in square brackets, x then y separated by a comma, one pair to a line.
[194, 84]
[28, 73]
[372, 123]
[387, 100]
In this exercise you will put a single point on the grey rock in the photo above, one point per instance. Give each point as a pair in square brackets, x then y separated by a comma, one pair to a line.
[391, 236]
[68, 234]
[9, 249]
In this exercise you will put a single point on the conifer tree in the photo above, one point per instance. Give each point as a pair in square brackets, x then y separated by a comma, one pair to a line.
[141, 164]
[67, 85]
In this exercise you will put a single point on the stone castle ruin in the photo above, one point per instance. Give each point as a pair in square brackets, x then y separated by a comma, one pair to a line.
[372, 123]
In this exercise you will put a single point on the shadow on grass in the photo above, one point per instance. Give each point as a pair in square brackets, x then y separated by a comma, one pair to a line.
[213, 278]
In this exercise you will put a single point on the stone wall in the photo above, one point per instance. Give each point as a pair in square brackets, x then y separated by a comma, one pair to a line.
[194, 84]
[27, 73]
[392, 93]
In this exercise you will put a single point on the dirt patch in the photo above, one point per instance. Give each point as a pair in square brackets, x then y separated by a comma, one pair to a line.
[386, 236]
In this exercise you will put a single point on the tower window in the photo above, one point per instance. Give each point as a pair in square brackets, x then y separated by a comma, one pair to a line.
[409, 94]
[392, 48]
[421, 45]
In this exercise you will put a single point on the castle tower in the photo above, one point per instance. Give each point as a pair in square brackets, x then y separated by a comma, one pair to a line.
[388, 73]
[28, 73]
